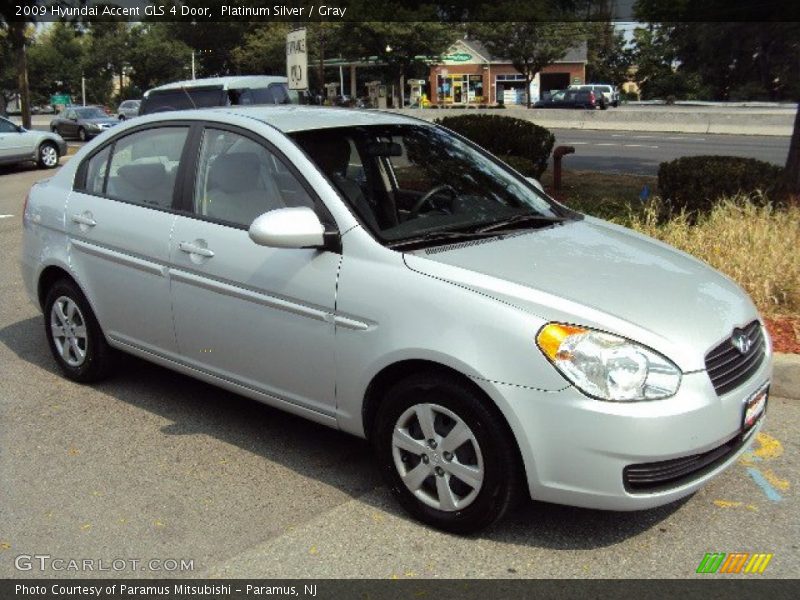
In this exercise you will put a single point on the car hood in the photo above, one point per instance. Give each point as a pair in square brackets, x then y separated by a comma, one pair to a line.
[601, 275]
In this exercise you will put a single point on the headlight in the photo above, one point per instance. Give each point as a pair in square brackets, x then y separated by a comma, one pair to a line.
[606, 366]
[94, 126]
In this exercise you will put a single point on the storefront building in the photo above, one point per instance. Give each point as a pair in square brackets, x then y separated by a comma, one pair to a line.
[468, 74]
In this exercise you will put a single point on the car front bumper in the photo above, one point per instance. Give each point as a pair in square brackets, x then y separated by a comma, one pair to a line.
[575, 448]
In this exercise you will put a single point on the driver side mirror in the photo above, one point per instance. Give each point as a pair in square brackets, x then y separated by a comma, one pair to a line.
[289, 228]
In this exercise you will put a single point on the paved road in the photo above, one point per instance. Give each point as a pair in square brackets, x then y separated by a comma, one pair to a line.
[154, 465]
[641, 152]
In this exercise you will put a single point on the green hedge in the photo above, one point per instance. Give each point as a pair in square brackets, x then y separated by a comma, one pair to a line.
[524, 165]
[695, 183]
[506, 137]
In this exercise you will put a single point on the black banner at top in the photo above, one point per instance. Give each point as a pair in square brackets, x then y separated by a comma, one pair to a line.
[302, 11]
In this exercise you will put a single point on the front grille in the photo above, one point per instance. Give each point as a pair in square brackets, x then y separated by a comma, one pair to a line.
[728, 368]
[657, 476]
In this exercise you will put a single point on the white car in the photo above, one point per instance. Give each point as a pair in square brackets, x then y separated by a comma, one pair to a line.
[19, 145]
[383, 276]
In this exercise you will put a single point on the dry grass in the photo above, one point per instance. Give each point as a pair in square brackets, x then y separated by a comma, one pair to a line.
[757, 246]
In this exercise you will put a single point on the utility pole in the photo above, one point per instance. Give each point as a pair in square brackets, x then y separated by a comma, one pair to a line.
[83, 89]
[192, 63]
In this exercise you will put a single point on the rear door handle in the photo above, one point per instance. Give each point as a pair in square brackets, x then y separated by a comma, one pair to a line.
[84, 219]
[192, 248]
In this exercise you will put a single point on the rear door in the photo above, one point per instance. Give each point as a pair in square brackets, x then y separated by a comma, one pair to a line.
[11, 141]
[119, 219]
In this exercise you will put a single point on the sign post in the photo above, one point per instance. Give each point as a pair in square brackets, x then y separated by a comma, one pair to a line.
[297, 60]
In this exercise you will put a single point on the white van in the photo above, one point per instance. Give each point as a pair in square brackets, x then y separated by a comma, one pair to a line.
[218, 91]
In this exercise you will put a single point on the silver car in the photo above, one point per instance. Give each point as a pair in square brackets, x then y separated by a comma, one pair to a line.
[386, 277]
[18, 145]
[128, 109]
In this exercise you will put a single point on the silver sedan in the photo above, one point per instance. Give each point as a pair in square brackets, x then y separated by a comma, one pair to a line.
[383, 276]
[19, 145]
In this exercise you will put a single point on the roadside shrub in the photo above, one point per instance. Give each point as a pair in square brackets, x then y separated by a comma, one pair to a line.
[506, 136]
[695, 183]
[755, 245]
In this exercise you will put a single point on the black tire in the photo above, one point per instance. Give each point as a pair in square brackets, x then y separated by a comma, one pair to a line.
[98, 354]
[122, 117]
[55, 130]
[82, 134]
[44, 156]
[502, 478]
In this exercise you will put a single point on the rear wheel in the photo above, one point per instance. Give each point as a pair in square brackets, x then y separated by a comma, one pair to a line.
[82, 134]
[48, 155]
[446, 454]
[74, 335]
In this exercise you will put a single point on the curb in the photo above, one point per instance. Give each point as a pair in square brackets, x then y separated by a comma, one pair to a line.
[786, 376]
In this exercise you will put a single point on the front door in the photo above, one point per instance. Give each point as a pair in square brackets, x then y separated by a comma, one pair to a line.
[257, 316]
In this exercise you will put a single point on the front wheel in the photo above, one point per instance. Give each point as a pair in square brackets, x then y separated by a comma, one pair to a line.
[74, 335]
[446, 453]
[47, 156]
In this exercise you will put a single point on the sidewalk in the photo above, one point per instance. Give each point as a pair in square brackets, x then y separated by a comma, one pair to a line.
[786, 376]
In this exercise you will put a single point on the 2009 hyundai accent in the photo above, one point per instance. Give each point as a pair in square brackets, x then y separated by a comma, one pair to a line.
[386, 277]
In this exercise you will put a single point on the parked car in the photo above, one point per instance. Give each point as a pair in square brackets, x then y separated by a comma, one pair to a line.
[82, 122]
[381, 275]
[607, 95]
[128, 109]
[18, 145]
[569, 99]
[218, 91]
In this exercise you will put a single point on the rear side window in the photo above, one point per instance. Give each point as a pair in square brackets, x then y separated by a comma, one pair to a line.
[275, 93]
[144, 166]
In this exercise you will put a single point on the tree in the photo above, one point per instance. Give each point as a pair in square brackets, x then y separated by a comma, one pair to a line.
[156, 57]
[608, 57]
[263, 50]
[530, 46]
[55, 62]
[18, 36]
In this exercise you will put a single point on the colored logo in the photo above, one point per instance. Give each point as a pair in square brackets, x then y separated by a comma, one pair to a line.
[735, 562]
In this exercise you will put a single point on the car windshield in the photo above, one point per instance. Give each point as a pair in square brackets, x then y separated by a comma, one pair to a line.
[90, 113]
[418, 183]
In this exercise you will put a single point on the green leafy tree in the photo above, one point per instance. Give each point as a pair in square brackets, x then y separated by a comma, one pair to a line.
[156, 57]
[608, 55]
[531, 46]
[55, 62]
[18, 36]
[263, 50]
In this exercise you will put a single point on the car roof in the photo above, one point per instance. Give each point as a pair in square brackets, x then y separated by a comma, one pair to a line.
[235, 82]
[290, 118]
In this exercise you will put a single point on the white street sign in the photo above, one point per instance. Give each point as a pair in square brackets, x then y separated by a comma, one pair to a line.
[297, 60]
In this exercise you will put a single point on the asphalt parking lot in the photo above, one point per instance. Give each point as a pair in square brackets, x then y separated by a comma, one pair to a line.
[154, 465]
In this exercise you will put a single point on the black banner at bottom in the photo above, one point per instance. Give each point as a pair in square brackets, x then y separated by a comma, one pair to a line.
[378, 589]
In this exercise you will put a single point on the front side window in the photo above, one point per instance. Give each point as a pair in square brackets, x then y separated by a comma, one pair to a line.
[144, 166]
[416, 181]
[238, 180]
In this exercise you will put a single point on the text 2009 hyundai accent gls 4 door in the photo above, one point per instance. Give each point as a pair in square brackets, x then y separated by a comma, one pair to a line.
[386, 277]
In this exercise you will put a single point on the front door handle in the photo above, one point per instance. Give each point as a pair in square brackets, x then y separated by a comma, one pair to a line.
[193, 248]
[84, 219]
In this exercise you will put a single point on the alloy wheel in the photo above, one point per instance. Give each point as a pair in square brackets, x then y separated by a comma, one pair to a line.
[68, 329]
[437, 457]
[49, 156]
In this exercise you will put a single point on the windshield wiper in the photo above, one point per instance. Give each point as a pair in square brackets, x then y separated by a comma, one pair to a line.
[433, 236]
[519, 220]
